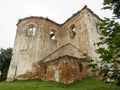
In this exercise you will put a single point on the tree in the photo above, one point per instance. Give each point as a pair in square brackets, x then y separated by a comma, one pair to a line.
[5, 58]
[113, 5]
[110, 56]
[109, 65]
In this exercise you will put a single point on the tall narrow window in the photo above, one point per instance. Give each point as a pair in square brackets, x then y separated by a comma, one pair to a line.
[80, 67]
[31, 31]
[53, 34]
[73, 30]
[45, 69]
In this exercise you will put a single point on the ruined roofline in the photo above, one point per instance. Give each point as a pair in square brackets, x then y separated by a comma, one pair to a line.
[36, 17]
[47, 19]
[67, 56]
[85, 7]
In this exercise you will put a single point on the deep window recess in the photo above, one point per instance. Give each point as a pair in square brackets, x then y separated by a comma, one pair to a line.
[31, 31]
[98, 31]
[52, 34]
[80, 67]
[73, 30]
[45, 69]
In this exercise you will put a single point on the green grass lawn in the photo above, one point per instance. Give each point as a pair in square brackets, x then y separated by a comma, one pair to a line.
[90, 83]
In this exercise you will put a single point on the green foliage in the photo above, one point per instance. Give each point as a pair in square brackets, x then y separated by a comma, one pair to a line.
[90, 83]
[110, 53]
[5, 58]
[113, 5]
[109, 44]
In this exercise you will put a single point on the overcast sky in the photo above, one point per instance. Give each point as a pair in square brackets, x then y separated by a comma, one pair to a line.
[57, 10]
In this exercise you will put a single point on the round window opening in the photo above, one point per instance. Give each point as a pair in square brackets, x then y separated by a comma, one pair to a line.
[31, 30]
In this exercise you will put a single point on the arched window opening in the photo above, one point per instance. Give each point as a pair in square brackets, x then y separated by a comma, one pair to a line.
[80, 67]
[53, 34]
[73, 30]
[31, 31]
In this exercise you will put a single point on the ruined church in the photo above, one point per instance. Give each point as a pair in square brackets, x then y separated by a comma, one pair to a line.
[47, 50]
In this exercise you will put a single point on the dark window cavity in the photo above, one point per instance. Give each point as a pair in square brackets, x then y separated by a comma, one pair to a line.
[73, 30]
[53, 34]
[45, 69]
[80, 67]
